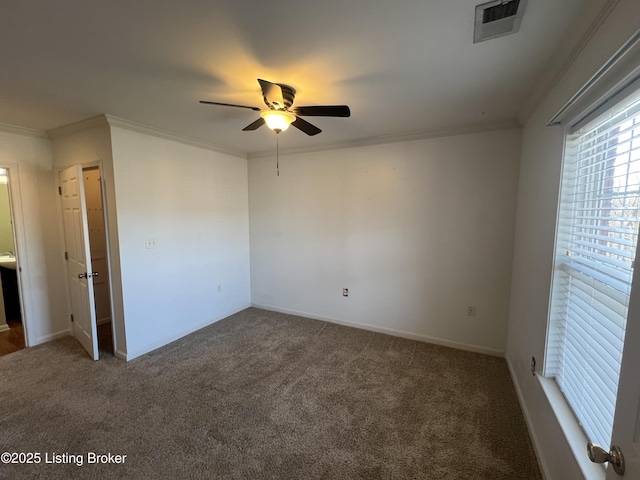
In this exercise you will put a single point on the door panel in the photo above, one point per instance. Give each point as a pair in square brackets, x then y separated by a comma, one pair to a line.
[79, 259]
[626, 424]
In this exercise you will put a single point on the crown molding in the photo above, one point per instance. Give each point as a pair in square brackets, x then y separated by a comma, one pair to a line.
[396, 138]
[93, 122]
[27, 132]
[112, 121]
[540, 94]
[107, 120]
[158, 132]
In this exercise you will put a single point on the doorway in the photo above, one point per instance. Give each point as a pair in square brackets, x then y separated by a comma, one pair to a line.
[85, 242]
[12, 330]
[98, 248]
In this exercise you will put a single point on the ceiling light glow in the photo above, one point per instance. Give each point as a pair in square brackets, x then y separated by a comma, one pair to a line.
[278, 120]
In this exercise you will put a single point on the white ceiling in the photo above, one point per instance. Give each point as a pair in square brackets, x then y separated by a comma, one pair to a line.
[403, 67]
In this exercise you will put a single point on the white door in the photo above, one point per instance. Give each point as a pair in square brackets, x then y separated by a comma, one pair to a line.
[76, 235]
[626, 425]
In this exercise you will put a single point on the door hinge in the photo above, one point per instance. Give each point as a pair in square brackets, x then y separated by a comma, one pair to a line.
[72, 317]
[66, 255]
[60, 191]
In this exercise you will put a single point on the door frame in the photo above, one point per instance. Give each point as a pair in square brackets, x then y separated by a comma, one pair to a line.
[105, 220]
[19, 240]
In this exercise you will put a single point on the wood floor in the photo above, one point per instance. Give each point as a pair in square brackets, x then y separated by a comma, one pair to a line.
[105, 338]
[13, 339]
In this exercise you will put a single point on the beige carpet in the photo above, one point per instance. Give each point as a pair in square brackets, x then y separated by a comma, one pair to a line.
[262, 395]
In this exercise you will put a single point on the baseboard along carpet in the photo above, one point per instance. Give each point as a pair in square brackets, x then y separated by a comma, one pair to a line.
[264, 395]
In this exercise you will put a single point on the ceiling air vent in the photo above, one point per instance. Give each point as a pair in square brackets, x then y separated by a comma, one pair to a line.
[498, 18]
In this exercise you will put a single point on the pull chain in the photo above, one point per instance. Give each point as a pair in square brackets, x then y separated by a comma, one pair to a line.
[277, 155]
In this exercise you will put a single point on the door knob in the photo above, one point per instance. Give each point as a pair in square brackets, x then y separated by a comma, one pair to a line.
[597, 454]
[88, 275]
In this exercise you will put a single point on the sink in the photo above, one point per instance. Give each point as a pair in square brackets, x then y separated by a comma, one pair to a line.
[8, 261]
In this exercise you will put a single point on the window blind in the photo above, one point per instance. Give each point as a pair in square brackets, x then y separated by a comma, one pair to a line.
[596, 237]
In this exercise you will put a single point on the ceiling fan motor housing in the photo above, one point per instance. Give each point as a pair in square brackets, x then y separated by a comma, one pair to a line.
[288, 96]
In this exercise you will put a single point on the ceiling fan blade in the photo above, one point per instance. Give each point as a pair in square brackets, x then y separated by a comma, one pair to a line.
[323, 111]
[255, 125]
[272, 93]
[255, 109]
[305, 126]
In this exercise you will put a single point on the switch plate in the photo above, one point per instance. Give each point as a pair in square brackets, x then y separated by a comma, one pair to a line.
[151, 243]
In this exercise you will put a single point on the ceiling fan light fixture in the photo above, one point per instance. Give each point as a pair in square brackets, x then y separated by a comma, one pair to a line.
[278, 120]
[279, 98]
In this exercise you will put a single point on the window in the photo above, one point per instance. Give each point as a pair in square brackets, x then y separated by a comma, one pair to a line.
[596, 237]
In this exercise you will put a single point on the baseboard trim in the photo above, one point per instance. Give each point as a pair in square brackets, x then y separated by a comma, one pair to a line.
[389, 331]
[128, 356]
[4, 327]
[527, 419]
[50, 337]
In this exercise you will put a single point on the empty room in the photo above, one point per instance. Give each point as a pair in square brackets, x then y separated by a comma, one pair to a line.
[320, 240]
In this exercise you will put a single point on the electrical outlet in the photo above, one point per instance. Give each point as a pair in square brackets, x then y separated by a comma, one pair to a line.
[345, 292]
[219, 288]
[151, 243]
[533, 366]
[471, 311]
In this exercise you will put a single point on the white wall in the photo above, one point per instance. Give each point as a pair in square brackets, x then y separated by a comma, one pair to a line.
[194, 203]
[29, 158]
[417, 231]
[535, 228]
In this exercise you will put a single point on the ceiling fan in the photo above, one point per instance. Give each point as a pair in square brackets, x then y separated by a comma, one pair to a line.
[280, 114]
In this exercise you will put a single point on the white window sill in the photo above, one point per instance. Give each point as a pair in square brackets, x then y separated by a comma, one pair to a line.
[574, 434]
